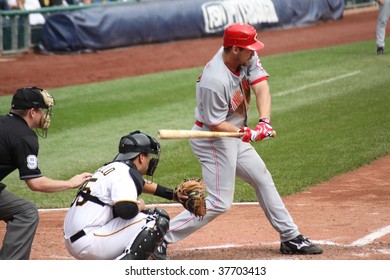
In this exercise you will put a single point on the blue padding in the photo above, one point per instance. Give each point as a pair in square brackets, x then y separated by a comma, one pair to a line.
[130, 24]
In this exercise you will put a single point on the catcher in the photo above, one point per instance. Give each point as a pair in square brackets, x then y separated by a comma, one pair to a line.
[108, 220]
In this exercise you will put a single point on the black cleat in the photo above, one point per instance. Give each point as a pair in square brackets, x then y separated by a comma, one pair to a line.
[380, 50]
[300, 245]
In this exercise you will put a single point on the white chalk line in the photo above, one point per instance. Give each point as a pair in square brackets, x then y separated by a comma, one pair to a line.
[366, 240]
[372, 237]
[319, 83]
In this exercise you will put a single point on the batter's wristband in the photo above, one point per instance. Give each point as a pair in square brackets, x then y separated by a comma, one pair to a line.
[265, 120]
[164, 192]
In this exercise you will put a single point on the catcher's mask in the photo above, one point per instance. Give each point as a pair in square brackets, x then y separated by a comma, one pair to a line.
[34, 97]
[136, 143]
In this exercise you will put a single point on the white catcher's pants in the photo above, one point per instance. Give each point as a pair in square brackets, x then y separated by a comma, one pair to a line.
[110, 240]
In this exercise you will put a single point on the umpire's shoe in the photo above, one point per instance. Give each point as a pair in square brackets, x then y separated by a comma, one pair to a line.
[161, 252]
[300, 245]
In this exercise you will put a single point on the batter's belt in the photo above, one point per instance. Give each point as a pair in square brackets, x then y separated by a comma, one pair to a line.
[198, 123]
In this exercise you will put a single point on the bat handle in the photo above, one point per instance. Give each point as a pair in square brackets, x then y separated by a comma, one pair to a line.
[273, 134]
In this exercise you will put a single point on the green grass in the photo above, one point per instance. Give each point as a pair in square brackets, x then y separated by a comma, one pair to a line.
[330, 111]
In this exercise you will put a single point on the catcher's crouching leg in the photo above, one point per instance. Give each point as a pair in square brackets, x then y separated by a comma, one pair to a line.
[149, 239]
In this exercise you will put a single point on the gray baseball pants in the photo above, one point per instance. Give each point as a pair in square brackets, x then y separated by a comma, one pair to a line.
[22, 218]
[383, 17]
[223, 159]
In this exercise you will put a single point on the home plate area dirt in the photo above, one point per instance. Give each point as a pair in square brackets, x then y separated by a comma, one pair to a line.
[348, 216]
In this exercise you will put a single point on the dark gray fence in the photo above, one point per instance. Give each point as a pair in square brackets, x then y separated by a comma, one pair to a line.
[17, 35]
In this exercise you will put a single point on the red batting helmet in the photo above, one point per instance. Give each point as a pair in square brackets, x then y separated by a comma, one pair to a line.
[241, 35]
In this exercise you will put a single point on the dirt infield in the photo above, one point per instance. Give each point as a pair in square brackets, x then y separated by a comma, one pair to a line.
[348, 215]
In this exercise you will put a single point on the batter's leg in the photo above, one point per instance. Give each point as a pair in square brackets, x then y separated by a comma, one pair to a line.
[383, 17]
[218, 171]
[251, 168]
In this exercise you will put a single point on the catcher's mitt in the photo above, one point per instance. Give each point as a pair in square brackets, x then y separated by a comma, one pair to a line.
[191, 194]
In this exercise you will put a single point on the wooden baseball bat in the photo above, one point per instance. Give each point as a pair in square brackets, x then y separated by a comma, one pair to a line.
[186, 134]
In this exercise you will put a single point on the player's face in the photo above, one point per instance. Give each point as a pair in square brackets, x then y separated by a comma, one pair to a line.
[37, 115]
[244, 56]
[144, 160]
[40, 119]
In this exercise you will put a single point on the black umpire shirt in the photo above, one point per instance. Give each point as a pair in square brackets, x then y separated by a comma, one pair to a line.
[18, 148]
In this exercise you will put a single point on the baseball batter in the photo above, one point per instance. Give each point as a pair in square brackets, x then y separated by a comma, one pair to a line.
[223, 99]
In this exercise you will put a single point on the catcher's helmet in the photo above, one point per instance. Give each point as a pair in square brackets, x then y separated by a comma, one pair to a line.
[241, 35]
[135, 143]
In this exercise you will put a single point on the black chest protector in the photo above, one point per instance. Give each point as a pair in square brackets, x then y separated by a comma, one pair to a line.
[137, 178]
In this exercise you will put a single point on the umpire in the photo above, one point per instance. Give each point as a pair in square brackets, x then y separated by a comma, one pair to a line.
[31, 109]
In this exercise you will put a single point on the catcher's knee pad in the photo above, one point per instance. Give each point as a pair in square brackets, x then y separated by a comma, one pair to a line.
[162, 221]
[149, 238]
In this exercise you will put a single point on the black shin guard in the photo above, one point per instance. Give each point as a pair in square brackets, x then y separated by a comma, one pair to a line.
[149, 238]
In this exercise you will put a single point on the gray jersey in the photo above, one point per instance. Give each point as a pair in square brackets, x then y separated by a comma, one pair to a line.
[225, 96]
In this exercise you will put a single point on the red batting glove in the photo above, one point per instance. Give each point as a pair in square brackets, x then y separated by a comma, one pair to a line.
[264, 129]
[249, 134]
